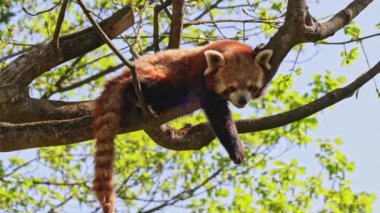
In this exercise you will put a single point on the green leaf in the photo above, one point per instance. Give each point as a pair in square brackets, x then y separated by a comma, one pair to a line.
[378, 26]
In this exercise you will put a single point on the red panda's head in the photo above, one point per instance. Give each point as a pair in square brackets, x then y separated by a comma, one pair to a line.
[238, 73]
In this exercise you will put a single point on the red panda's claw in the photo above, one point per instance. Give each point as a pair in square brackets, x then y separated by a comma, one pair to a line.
[238, 159]
[238, 156]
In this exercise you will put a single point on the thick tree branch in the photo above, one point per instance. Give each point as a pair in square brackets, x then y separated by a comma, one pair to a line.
[23, 70]
[301, 27]
[64, 132]
[288, 35]
[21, 136]
[188, 138]
[296, 12]
[15, 78]
[57, 110]
[316, 31]
[53, 133]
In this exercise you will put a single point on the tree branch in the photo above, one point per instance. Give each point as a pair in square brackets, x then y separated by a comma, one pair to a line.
[69, 131]
[208, 9]
[177, 24]
[301, 27]
[351, 40]
[23, 70]
[288, 35]
[61, 17]
[15, 105]
[188, 138]
[201, 22]
[318, 31]
[198, 136]
[40, 134]
[185, 194]
[88, 79]
[126, 62]
[136, 44]
[156, 26]
[58, 84]
[53, 133]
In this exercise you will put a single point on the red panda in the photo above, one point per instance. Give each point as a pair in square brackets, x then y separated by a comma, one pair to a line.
[219, 72]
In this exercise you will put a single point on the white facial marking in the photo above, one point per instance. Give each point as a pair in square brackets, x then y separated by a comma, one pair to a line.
[220, 87]
[260, 80]
[240, 98]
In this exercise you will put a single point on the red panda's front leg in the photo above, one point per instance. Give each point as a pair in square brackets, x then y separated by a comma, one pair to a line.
[224, 127]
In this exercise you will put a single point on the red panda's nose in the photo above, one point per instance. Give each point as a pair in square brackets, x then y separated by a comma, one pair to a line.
[242, 101]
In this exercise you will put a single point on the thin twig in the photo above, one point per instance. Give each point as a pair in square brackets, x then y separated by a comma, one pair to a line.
[21, 44]
[167, 11]
[14, 54]
[185, 194]
[129, 64]
[212, 18]
[41, 12]
[4, 62]
[87, 80]
[200, 22]
[351, 40]
[208, 9]
[62, 78]
[61, 204]
[139, 31]
[369, 66]
[156, 27]
[61, 17]
[295, 62]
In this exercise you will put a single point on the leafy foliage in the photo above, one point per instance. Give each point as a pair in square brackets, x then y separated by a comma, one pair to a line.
[5, 13]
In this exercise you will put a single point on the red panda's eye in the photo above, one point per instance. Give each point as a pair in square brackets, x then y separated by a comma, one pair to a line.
[252, 88]
[231, 89]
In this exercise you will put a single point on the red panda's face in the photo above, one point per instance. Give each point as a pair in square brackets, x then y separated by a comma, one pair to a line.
[238, 76]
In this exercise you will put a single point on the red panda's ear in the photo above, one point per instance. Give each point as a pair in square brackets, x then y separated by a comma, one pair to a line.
[214, 60]
[263, 58]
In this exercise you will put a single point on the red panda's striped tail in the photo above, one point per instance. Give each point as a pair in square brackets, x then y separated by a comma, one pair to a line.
[106, 123]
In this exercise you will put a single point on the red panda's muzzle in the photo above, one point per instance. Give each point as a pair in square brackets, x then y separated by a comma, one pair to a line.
[240, 98]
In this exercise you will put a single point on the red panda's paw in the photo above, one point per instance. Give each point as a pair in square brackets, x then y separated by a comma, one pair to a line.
[238, 156]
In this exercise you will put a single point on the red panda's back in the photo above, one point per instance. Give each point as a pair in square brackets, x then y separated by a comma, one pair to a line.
[171, 65]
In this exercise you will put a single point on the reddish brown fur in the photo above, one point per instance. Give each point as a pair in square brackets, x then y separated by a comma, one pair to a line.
[105, 126]
[237, 56]
[180, 68]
